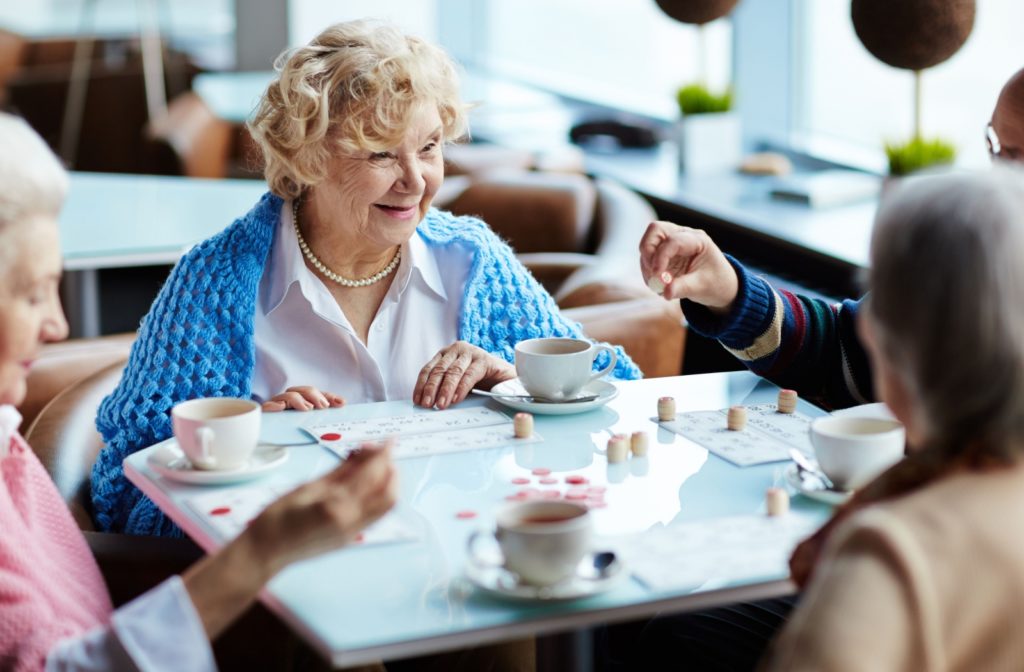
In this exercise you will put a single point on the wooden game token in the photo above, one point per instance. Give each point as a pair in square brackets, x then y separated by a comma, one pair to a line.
[541, 471]
[666, 409]
[638, 443]
[522, 425]
[787, 401]
[776, 502]
[737, 418]
[618, 448]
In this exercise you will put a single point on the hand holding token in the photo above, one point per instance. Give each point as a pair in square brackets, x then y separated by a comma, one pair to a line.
[683, 263]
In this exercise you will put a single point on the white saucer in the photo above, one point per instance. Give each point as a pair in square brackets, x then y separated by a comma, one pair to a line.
[170, 462]
[878, 410]
[605, 392]
[819, 493]
[500, 582]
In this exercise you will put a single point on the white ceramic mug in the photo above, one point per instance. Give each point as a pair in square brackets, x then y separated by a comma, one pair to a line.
[559, 367]
[542, 542]
[217, 433]
[852, 450]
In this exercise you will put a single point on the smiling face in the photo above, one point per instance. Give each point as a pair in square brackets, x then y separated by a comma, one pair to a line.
[380, 197]
[30, 311]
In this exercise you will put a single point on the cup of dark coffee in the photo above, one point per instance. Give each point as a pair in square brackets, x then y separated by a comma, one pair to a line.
[542, 542]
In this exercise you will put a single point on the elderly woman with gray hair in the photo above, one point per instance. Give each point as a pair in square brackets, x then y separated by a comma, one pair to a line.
[893, 580]
[343, 283]
[55, 611]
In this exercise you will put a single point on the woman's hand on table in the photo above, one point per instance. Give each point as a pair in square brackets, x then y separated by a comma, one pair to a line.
[452, 373]
[689, 265]
[302, 398]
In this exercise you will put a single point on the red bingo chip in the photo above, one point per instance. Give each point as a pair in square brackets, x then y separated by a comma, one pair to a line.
[576, 480]
[541, 471]
[221, 511]
[520, 481]
[465, 515]
[330, 436]
[575, 495]
[549, 494]
[548, 480]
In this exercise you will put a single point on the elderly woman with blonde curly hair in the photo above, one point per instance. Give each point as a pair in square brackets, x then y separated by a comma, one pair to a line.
[342, 283]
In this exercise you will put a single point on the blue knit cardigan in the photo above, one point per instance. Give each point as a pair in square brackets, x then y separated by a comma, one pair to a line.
[197, 340]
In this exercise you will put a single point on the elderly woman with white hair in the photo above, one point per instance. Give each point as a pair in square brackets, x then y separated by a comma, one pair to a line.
[924, 569]
[343, 283]
[55, 612]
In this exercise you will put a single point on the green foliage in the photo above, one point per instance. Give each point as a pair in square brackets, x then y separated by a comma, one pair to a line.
[697, 99]
[918, 153]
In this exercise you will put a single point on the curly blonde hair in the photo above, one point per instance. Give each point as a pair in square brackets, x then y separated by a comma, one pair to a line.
[354, 87]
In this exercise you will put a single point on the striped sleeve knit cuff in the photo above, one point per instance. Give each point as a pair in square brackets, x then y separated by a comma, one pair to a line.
[751, 317]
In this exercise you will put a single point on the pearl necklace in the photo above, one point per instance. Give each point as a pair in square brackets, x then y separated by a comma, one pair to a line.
[340, 279]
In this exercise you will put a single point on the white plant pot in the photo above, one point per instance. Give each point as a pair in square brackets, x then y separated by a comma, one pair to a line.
[709, 143]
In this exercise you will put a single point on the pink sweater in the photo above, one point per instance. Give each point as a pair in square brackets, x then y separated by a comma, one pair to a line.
[50, 585]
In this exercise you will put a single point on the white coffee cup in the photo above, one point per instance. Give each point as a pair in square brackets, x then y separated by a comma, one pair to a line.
[542, 542]
[217, 433]
[559, 367]
[853, 451]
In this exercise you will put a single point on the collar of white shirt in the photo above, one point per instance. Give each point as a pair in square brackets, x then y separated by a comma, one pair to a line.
[287, 268]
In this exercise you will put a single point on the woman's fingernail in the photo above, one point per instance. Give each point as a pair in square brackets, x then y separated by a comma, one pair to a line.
[428, 400]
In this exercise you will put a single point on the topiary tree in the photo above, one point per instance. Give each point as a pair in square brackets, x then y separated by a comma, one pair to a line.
[699, 13]
[913, 35]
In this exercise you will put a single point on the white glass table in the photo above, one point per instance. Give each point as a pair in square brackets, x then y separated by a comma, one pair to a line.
[390, 601]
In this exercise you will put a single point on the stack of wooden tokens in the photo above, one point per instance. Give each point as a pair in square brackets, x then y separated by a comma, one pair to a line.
[787, 401]
[638, 444]
[522, 425]
[666, 409]
[736, 420]
[618, 448]
[776, 502]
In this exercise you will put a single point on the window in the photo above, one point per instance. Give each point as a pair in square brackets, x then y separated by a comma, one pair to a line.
[847, 94]
[623, 53]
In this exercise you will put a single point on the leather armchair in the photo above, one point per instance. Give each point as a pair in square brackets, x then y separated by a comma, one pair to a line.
[580, 238]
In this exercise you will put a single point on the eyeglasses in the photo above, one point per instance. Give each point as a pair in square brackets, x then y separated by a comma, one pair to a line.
[996, 150]
[992, 141]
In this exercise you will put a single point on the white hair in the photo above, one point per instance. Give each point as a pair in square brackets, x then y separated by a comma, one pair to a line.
[32, 180]
[947, 299]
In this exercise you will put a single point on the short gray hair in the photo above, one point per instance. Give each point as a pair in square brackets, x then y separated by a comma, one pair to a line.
[947, 296]
[32, 181]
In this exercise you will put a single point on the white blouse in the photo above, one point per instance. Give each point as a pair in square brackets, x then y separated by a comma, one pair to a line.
[302, 336]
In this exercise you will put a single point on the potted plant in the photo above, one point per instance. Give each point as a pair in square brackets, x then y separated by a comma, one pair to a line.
[914, 35]
[708, 132]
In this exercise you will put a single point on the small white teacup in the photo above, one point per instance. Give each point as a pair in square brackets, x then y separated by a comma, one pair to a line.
[559, 367]
[217, 433]
[852, 451]
[542, 542]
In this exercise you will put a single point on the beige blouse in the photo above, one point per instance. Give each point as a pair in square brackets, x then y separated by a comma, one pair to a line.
[931, 581]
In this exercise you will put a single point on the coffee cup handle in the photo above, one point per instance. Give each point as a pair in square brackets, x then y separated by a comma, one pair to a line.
[475, 557]
[204, 436]
[611, 365]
